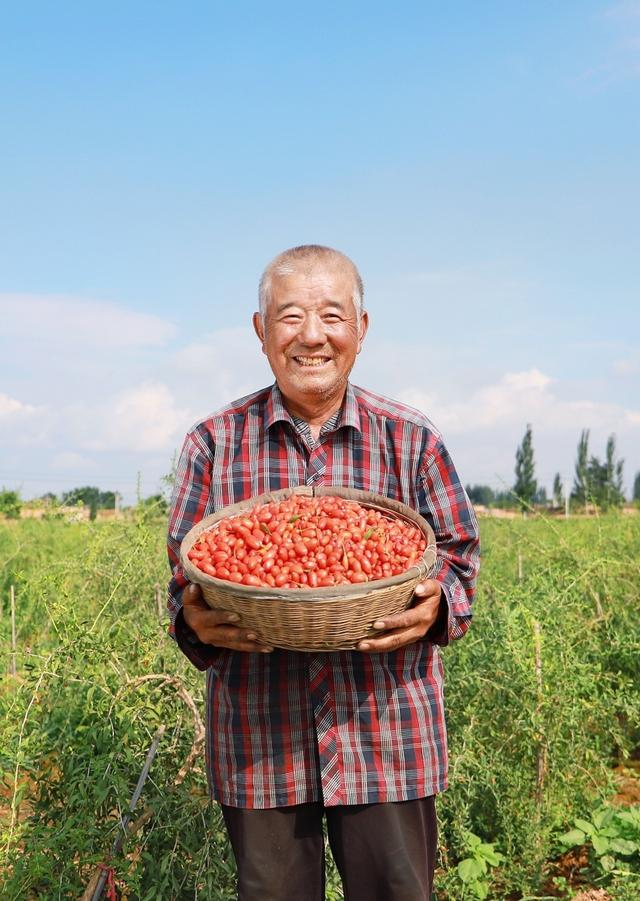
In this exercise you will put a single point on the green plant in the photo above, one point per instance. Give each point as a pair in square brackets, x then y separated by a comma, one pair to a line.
[473, 871]
[614, 838]
[543, 697]
[10, 503]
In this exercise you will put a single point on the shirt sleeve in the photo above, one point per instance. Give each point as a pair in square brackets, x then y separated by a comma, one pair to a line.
[190, 503]
[448, 510]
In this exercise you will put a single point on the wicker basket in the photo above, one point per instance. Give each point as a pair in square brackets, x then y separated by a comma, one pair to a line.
[318, 619]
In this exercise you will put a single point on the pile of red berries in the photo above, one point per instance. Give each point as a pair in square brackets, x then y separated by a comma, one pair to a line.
[308, 542]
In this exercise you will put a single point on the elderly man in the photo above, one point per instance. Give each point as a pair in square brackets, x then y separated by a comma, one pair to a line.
[356, 737]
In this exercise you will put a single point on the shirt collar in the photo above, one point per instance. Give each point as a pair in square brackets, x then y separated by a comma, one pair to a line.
[276, 411]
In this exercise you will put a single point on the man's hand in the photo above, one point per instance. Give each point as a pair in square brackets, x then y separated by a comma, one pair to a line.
[217, 627]
[413, 624]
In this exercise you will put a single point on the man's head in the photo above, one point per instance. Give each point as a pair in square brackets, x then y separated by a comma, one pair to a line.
[304, 258]
[311, 325]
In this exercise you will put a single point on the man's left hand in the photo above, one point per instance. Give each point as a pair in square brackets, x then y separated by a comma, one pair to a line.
[411, 625]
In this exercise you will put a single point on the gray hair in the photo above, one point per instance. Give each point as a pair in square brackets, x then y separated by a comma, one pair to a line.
[307, 256]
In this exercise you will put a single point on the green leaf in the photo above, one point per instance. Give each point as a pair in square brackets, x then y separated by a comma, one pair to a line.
[631, 816]
[624, 846]
[602, 816]
[469, 869]
[573, 837]
[489, 854]
[607, 862]
[586, 826]
[600, 844]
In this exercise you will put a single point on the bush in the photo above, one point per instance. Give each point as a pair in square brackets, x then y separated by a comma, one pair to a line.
[542, 697]
[10, 504]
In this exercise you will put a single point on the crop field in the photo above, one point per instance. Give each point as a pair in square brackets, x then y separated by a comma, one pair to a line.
[543, 702]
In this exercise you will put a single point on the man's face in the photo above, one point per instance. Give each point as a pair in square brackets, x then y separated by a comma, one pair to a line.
[311, 334]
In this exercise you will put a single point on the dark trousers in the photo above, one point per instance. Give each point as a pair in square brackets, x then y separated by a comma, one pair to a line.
[384, 852]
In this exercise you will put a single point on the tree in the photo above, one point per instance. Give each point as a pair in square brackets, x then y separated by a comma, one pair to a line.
[10, 503]
[540, 497]
[480, 494]
[580, 491]
[597, 482]
[91, 497]
[155, 503]
[526, 485]
[636, 488]
[613, 495]
[558, 493]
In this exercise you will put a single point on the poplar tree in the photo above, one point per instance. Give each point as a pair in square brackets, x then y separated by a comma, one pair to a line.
[558, 493]
[526, 485]
[580, 491]
[613, 492]
[597, 482]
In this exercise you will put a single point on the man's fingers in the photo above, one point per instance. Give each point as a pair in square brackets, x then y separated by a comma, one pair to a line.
[424, 611]
[391, 641]
[404, 620]
[428, 587]
[199, 618]
[192, 596]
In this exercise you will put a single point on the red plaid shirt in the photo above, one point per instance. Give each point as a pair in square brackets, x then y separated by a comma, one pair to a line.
[344, 727]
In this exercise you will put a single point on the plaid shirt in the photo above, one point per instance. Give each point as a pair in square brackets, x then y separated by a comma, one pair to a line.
[344, 727]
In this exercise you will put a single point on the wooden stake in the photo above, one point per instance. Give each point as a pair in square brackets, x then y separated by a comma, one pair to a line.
[159, 602]
[519, 567]
[13, 631]
[541, 756]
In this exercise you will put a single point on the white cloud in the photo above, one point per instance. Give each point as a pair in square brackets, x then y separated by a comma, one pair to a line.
[65, 321]
[71, 460]
[219, 367]
[518, 398]
[626, 367]
[516, 395]
[483, 424]
[23, 425]
[9, 406]
[143, 419]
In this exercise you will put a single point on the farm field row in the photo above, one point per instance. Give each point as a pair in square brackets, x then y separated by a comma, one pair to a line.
[543, 702]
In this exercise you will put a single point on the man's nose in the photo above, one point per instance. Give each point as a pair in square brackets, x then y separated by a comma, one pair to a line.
[312, 330]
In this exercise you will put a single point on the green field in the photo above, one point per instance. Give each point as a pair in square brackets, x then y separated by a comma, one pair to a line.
[543, 701]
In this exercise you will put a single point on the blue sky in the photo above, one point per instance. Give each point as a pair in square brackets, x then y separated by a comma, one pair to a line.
[477, 161]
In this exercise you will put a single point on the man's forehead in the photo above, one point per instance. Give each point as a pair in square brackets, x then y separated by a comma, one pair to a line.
[306, 276]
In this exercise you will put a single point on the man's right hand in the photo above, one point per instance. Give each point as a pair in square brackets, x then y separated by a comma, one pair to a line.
[218, 627]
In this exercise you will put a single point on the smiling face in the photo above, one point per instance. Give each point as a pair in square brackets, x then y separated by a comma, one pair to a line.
[311, 336]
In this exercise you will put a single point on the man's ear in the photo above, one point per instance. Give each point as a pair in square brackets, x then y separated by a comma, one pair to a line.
[364, 325]
[258, 327]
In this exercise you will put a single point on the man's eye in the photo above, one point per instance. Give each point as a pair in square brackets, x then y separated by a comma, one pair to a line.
[332, 317]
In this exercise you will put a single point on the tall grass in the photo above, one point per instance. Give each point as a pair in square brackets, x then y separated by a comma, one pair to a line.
[542, 699]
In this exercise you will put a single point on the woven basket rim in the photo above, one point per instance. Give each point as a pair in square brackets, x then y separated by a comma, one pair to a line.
[359, 590]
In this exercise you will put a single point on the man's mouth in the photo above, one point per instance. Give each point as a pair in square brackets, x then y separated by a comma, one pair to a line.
[311, 362]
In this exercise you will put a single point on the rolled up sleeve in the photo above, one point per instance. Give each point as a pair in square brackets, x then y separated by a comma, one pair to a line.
[445, 505]
[191, 502]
